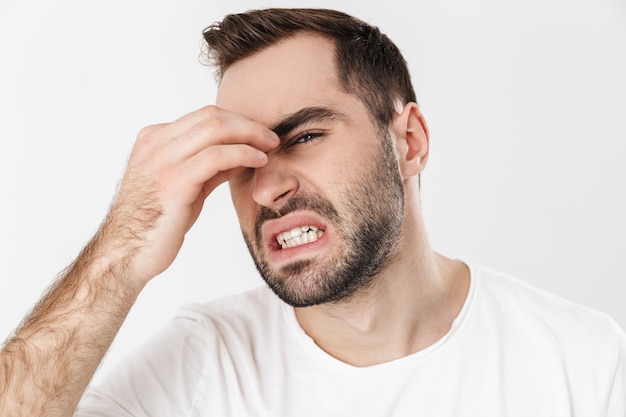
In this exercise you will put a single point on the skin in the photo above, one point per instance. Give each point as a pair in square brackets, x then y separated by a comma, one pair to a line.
[46, 366]
[366, 220]
[413, 300]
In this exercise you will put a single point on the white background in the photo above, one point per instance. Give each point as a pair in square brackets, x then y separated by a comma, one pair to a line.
[526, 104]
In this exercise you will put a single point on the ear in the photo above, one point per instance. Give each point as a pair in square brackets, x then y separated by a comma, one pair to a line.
[412, 140]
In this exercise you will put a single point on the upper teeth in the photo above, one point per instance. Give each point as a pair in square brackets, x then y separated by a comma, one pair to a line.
[298, 236]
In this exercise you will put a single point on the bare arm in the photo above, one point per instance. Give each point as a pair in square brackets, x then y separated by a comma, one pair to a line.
[46, 366]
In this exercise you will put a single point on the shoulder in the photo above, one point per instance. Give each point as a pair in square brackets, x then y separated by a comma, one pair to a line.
[533, 313]
[506, 292]
[241, 315]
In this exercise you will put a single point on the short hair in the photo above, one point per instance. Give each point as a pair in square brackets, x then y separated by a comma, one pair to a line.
[369, 65]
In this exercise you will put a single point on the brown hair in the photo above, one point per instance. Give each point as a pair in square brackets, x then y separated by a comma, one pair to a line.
[369, 65]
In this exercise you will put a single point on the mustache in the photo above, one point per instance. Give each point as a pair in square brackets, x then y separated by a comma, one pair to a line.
[311, 203]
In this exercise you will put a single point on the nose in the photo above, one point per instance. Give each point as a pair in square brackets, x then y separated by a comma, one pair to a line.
[273, 183]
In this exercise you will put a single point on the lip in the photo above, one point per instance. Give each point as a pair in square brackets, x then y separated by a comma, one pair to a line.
[272, 228]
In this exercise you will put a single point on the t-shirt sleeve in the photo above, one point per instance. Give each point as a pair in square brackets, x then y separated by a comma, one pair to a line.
[160, 378]
[617, 400]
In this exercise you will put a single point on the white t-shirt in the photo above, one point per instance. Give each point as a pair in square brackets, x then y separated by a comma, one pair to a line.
[512, 351]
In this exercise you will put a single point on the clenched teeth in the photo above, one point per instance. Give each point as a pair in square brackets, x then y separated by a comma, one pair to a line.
[299, 236]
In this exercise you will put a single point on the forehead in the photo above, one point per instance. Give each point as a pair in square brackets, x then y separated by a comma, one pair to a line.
[281, 79]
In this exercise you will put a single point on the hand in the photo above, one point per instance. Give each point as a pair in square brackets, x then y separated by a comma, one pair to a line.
[172, 169]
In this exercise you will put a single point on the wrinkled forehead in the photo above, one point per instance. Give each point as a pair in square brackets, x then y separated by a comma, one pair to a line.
[297, 72]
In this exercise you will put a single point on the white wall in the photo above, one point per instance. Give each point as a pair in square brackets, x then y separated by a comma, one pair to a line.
[526, 103]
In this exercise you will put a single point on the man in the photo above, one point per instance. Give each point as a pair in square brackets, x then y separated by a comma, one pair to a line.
[317, 130]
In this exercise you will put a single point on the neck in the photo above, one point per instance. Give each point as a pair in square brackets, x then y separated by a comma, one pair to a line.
[411, 305]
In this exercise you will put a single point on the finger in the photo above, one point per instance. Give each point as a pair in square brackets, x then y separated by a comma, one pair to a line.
[229, 128]
[209, 166]
[221, 178]
[216, 159]
[173, 129]
[206, 127]
[214, 123]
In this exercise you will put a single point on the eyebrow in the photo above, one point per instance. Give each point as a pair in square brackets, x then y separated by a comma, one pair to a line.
[304, 116]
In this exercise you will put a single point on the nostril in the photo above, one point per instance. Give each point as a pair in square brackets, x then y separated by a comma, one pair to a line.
[273, 185]
[283, 195]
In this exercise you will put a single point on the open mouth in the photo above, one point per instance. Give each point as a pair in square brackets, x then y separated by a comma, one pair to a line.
[299, 236]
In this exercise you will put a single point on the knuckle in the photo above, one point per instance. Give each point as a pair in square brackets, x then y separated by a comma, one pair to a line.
[146, 131]
[211, 110]
[219, 156]
[214, 124]
[144, 141]
[215, 153]
[147, 140]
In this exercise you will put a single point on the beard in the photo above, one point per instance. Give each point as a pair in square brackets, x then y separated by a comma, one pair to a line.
[368, 223]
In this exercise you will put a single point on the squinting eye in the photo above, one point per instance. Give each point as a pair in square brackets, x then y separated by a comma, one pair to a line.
[306, 137]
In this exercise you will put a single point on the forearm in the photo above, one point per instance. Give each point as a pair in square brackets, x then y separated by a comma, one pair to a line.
[47, 365]
[173, 167]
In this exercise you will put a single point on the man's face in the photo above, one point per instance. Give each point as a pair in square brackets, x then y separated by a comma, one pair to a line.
[322, 217]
